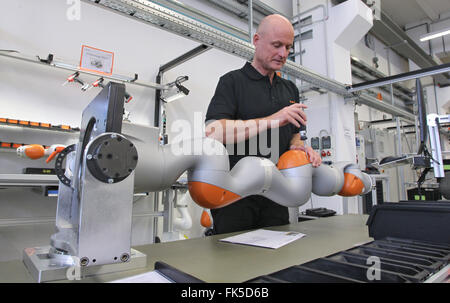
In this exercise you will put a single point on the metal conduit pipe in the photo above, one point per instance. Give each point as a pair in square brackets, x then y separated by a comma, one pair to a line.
[174, 22]
[325, 17]
[327, 62]
[238, 9]
[265, 9]
[324, 8]
[250, 20]
[205, 16]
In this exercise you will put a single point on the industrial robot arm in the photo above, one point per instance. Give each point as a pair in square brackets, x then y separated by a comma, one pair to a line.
[213, 185]
[113, 158]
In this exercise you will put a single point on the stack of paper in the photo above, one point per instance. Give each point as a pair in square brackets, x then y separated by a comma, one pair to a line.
[265, 238]
[148, 277]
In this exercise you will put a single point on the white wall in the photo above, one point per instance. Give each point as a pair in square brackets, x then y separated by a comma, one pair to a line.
[437, 99]
[398, 63]
[33, 92]
[138, 48]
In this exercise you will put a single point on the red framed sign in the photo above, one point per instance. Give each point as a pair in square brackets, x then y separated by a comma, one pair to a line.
[96, 60]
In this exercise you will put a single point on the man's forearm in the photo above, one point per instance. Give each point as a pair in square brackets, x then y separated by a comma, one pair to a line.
[235, 131]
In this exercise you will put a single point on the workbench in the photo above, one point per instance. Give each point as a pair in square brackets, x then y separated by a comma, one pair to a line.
[212, 261]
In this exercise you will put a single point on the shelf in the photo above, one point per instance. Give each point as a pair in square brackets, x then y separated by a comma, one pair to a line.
[72, 68]
[423, 185]
[25, 180]
[51, 127]
[19, 135]
[363, 75]
[414, 160]
[377, 74]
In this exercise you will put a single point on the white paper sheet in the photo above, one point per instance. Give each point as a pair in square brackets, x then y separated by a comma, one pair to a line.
[148, 277]
[265, 238]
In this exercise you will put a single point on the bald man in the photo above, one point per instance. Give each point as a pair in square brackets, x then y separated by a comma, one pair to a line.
[254, 112]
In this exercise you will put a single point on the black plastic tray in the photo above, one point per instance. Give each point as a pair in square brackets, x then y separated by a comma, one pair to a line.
[300, 274]
[400, 260]
[174, 274]
[422, 221]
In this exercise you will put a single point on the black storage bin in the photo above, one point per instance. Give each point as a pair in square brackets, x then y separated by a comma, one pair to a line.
[367, 198]
[300, 274]
[412, 243]
[176, 275]
[426, 194]
[422, 221]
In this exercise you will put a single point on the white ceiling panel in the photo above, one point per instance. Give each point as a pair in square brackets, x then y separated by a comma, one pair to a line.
[409, 11]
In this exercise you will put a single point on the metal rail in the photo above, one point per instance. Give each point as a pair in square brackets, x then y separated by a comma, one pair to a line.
[171, 21]
[186, 10]
[372, 102]
[72, 68]
[439, 69]
[168, 66]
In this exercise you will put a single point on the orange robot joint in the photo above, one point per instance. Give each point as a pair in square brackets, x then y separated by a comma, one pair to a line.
[211, 196]
[353, 186]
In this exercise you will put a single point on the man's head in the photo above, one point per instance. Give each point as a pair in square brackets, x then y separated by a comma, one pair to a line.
[273, 40]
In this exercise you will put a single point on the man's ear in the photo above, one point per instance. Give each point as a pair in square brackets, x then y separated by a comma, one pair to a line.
[256, 38]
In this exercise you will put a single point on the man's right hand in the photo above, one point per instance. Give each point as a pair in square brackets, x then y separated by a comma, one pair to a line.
[233, 131]
[290, 114]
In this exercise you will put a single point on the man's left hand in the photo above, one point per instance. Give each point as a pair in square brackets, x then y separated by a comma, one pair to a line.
[314, 157]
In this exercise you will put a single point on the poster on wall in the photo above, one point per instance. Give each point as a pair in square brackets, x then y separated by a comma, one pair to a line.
[96, 60]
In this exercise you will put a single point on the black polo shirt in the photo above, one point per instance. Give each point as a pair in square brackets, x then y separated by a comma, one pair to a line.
[245, 94]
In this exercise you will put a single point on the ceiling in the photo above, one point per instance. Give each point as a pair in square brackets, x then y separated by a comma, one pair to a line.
[404, 12]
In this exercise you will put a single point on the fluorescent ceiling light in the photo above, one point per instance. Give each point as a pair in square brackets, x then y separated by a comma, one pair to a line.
[434, 35]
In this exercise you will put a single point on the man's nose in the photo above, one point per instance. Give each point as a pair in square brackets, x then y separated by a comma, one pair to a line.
[283, 52]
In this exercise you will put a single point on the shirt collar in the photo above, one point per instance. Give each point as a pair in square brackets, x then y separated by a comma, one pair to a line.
[253, 74]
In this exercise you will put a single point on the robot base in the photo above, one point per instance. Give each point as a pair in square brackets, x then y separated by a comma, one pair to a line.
[44, 269]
